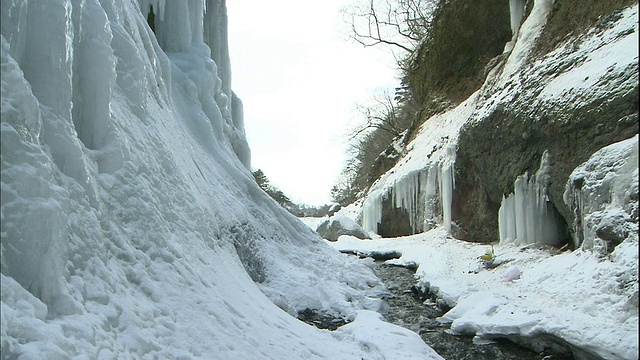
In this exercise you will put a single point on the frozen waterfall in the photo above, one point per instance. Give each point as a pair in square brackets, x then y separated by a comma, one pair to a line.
[425, 194]
[524, 216]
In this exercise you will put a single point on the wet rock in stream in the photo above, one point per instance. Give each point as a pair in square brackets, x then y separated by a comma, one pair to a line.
[321, 320]
[412, 308]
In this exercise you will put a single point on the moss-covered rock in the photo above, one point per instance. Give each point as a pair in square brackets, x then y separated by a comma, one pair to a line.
[466, 35]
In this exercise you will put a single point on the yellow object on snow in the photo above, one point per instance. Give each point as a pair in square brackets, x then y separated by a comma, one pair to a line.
[488, 255]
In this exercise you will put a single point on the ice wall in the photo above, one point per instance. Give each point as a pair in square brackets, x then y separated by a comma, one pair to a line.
[603, 194]
[183, 27]
[524, 216]
[131, 226]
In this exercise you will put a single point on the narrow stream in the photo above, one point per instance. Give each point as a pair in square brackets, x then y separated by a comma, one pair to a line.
[407, 310]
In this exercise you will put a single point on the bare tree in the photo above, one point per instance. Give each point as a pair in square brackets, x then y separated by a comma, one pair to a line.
[398, 23]
[383, 115]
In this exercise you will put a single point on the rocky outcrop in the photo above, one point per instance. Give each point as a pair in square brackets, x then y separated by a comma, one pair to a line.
[571, 102]
[566, 101]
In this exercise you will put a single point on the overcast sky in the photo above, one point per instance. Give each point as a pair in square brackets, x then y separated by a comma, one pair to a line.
[300, 77]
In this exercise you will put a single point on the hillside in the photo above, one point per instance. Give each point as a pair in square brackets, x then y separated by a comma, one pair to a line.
[566, 101]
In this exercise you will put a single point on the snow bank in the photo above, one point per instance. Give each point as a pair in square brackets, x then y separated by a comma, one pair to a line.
[584, 302]
[404, 344]
[131, 225]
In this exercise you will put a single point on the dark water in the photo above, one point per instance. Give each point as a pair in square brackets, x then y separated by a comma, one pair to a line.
[406, 308]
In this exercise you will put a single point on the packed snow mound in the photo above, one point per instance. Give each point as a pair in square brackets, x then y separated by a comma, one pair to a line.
[604, 195]
[131, 224]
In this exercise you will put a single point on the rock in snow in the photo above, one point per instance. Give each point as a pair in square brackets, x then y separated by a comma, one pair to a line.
[335, 226]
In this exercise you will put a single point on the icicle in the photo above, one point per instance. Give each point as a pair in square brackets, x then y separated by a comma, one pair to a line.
[446, 194]
[372, 211]
[425, 194]
[521, 199]
[523, 218]
[516, 10]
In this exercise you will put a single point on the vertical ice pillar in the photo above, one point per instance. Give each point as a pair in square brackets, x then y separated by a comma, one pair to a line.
[215, 28]
[507, 220]
[446, 194]
[520, 207]
[372, 211]
[523, 217]
[215, 36]
[516, 10]
[430, 196]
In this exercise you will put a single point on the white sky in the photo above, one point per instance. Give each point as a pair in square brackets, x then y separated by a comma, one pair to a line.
[299, 78]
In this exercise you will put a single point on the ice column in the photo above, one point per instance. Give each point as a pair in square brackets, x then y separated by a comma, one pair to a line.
[516, 10]
[425, 194]
[446, 193]
[372, 211]
[523, 217]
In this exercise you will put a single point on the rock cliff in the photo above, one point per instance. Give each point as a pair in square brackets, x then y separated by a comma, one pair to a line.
[563, 95]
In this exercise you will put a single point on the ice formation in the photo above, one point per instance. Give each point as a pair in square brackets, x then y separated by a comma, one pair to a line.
[526, 33]
[422, 182]
[603, 194]
[131, 226]
[425, 194]
[516, 12]
[524, 216]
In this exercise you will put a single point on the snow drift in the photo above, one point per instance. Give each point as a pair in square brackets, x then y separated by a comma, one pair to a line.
[131, 224]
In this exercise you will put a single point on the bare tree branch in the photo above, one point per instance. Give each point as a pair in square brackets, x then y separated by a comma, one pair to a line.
[382, 115]
[398, 23]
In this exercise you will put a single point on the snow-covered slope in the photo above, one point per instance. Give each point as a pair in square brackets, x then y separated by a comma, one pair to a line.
[131, 225]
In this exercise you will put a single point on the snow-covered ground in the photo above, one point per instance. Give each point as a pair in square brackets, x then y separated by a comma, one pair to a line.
[576, 296]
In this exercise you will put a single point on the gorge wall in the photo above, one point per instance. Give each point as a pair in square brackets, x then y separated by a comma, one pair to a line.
[570, 102]
[568, 99]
